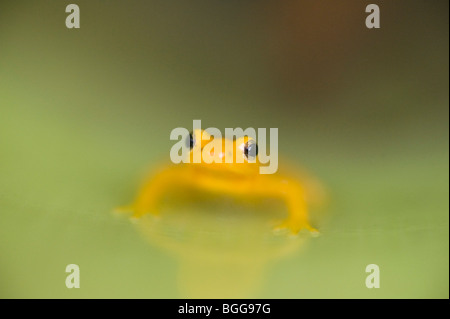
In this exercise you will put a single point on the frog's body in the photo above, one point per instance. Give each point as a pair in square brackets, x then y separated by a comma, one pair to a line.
[235, 179]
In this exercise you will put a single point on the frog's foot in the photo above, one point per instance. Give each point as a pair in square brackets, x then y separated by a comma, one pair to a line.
[294, 226]
[141, 210]
[136, 211]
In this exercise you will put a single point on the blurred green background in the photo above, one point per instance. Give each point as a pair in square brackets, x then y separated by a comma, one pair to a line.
[85, 112]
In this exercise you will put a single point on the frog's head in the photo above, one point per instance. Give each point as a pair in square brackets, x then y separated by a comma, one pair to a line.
[239, 155]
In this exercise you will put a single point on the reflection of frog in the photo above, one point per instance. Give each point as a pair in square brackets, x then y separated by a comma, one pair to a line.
[236, 179]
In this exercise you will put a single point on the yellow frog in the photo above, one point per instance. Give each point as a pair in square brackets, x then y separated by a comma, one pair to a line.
[239, 179]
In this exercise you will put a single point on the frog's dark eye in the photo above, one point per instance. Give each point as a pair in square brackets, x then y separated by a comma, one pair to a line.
[250, 149]
[190, 141]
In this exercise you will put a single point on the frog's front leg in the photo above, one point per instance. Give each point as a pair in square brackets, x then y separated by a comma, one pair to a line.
[294, 196]
[291, 192]
[150, 195]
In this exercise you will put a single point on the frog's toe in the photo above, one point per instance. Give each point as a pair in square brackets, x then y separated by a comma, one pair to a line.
[294, 227]
[141, 211]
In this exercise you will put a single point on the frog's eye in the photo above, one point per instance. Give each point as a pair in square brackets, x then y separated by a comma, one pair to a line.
[190, 141]
[250, 150]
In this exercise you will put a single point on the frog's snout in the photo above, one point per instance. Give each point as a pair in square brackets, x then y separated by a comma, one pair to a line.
[219, 156]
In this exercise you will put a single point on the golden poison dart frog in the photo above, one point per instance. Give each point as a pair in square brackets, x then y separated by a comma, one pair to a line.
[240, 179]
